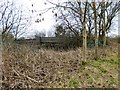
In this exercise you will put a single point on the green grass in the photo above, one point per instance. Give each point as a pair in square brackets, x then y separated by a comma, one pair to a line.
[107, 69]
[74, 83]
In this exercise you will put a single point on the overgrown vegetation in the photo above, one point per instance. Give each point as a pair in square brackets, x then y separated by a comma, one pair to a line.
[82, 24]
[27, 67]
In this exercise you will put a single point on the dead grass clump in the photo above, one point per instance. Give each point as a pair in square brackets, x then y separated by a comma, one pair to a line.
[27, 67]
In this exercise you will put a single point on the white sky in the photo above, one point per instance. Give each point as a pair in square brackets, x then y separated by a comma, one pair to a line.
[38, 5]
[49, 22]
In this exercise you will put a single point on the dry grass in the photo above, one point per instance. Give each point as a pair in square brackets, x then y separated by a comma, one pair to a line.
[26, 67]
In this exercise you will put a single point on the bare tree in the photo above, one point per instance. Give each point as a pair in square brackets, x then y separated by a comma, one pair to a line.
[111, 10]
[96, 35]
[68, 15]
[83, 13]
[104, 26]
[12, 20]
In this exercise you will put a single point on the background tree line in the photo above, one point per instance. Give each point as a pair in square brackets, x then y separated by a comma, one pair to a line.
[90, 20]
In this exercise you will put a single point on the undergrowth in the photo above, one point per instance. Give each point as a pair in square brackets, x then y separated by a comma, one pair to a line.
[27, 67]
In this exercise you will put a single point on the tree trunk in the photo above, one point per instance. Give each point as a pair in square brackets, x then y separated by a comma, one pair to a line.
[104, 28]
[84, 42]
[96, 35]
[84, 33]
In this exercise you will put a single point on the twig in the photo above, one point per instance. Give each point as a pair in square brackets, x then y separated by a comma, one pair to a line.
[15, 72]
[20, 74]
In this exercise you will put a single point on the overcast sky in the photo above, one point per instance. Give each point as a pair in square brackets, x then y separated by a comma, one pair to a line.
[48, 23]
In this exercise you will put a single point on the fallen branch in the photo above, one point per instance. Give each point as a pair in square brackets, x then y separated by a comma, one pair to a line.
[20, 74]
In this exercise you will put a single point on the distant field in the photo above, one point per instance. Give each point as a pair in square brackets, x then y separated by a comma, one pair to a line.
[26, 67]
